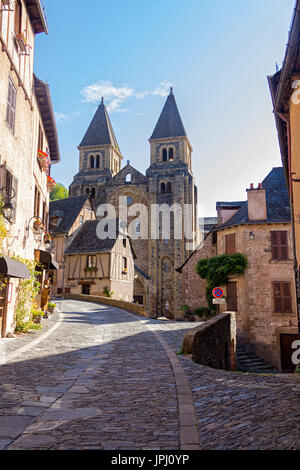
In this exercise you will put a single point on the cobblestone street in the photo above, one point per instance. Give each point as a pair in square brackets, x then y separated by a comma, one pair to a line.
[105, 379]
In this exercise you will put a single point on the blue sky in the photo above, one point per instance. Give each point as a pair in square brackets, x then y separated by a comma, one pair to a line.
[216, 54]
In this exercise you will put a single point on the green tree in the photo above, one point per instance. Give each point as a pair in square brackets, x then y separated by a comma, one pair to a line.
[59, 192]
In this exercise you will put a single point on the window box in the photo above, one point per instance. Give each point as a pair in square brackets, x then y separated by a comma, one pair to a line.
[51, 183]
[91, 269]
[22, 43]
[38, 226]
[43, 159]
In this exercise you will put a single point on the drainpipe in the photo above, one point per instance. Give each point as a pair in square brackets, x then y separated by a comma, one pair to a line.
[291, 180]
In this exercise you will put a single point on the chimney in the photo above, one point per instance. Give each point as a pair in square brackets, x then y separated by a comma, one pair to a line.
[257, 206]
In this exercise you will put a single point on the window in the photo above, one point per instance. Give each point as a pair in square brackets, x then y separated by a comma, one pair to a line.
[128, 178]
[93, 193]
[279, 245]
[40, 138]
[282, 297]
[87, 191]
[37, 202]
[171, 154]
[98, 161]
[165, 155]
[230, 244]
[163, 188]
[129, 200]
[124, 264]
[81, 220]
[169, 188]
[91, 261]
[11, 105]
[18, 17]
[124, 242]
[92, 162]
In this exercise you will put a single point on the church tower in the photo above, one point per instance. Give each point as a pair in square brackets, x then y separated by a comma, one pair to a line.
[99, 157]
[171, 182]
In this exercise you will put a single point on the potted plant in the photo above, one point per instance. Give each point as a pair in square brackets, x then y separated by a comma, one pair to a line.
[43, 159]
[51, 307]
[37, 315]
[38, 225]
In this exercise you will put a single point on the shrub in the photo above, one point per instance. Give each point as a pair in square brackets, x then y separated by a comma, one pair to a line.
[51, 305]
[216, 271]
[107, 292]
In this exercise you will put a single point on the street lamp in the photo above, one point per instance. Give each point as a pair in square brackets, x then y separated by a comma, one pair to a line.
[8, 209]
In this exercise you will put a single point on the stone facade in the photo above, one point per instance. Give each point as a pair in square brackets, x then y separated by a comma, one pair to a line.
[24, 129]
[250, 229]
[169, 180]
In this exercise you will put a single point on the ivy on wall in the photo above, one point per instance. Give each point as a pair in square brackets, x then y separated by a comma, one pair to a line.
[216, 271]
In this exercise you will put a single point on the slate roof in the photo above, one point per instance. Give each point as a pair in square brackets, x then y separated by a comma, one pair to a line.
[87, 241]
[169, 123]
[100, 131]
[68, 209]
[277, 199]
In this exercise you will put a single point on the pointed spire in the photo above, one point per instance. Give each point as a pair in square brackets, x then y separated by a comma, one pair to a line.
[100, 131]
[169, 123]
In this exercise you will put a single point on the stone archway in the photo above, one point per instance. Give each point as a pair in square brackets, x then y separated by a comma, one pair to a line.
[139, 291]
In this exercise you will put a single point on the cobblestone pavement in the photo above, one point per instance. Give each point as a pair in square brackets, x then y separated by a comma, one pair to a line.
[242, 411]
[102, 380]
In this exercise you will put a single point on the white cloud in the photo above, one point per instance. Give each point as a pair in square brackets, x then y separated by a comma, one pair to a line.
[163, 89]
[115, 97]
[60, 117]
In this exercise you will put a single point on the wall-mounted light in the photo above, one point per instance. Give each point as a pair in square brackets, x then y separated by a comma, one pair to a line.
[8, 208]
[251, 236]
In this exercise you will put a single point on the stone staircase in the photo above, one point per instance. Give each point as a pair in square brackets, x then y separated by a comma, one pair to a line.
[249, 362]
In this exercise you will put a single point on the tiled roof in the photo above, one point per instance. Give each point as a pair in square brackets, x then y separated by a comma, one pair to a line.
[100, 131]
[68, 209]
[87, 241]
[169, 123]
[277, 199]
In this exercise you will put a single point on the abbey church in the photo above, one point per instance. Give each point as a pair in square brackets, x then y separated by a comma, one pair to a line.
[168, 180]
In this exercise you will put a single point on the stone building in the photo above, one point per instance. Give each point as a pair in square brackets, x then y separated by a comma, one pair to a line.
[264, 296]
[285, 93]
[66, 216]
[28, 145]
[100, 267]
[168, 180]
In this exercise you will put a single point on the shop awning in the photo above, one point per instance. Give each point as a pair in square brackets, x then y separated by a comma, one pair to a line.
[13, 268]
[46, 259]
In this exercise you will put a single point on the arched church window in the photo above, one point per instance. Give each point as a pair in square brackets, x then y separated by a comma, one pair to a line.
[128, 178]
[87, 191]
[169, 188]
[98, 161]
[165, 155]
[92, 161]
[163, 188]
[93, 193]
[171, 154]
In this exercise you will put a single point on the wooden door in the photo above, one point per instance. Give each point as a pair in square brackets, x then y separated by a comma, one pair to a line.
[2, 309]
[232, 302]
[286, 352]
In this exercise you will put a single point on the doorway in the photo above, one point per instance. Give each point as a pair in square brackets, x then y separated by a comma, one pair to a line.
[286, 352]
[86, 289]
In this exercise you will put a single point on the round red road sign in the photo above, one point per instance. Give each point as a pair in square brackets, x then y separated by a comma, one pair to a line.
[218, 293]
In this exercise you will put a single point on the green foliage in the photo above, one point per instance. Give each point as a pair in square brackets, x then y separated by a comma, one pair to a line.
[51, 305]
[204, 312]
[217, 270]
[3, 229]
[27, 292]
[59, 192]
[107, 292]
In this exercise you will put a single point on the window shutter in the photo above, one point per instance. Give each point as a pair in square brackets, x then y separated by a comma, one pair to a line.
[284, 245]
[287, 304]
[279, 245]
[230, 244]
[274, 245]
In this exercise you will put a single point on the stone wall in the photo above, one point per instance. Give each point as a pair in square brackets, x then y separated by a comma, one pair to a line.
[194, 288]
[130, 307]
[213, 344]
